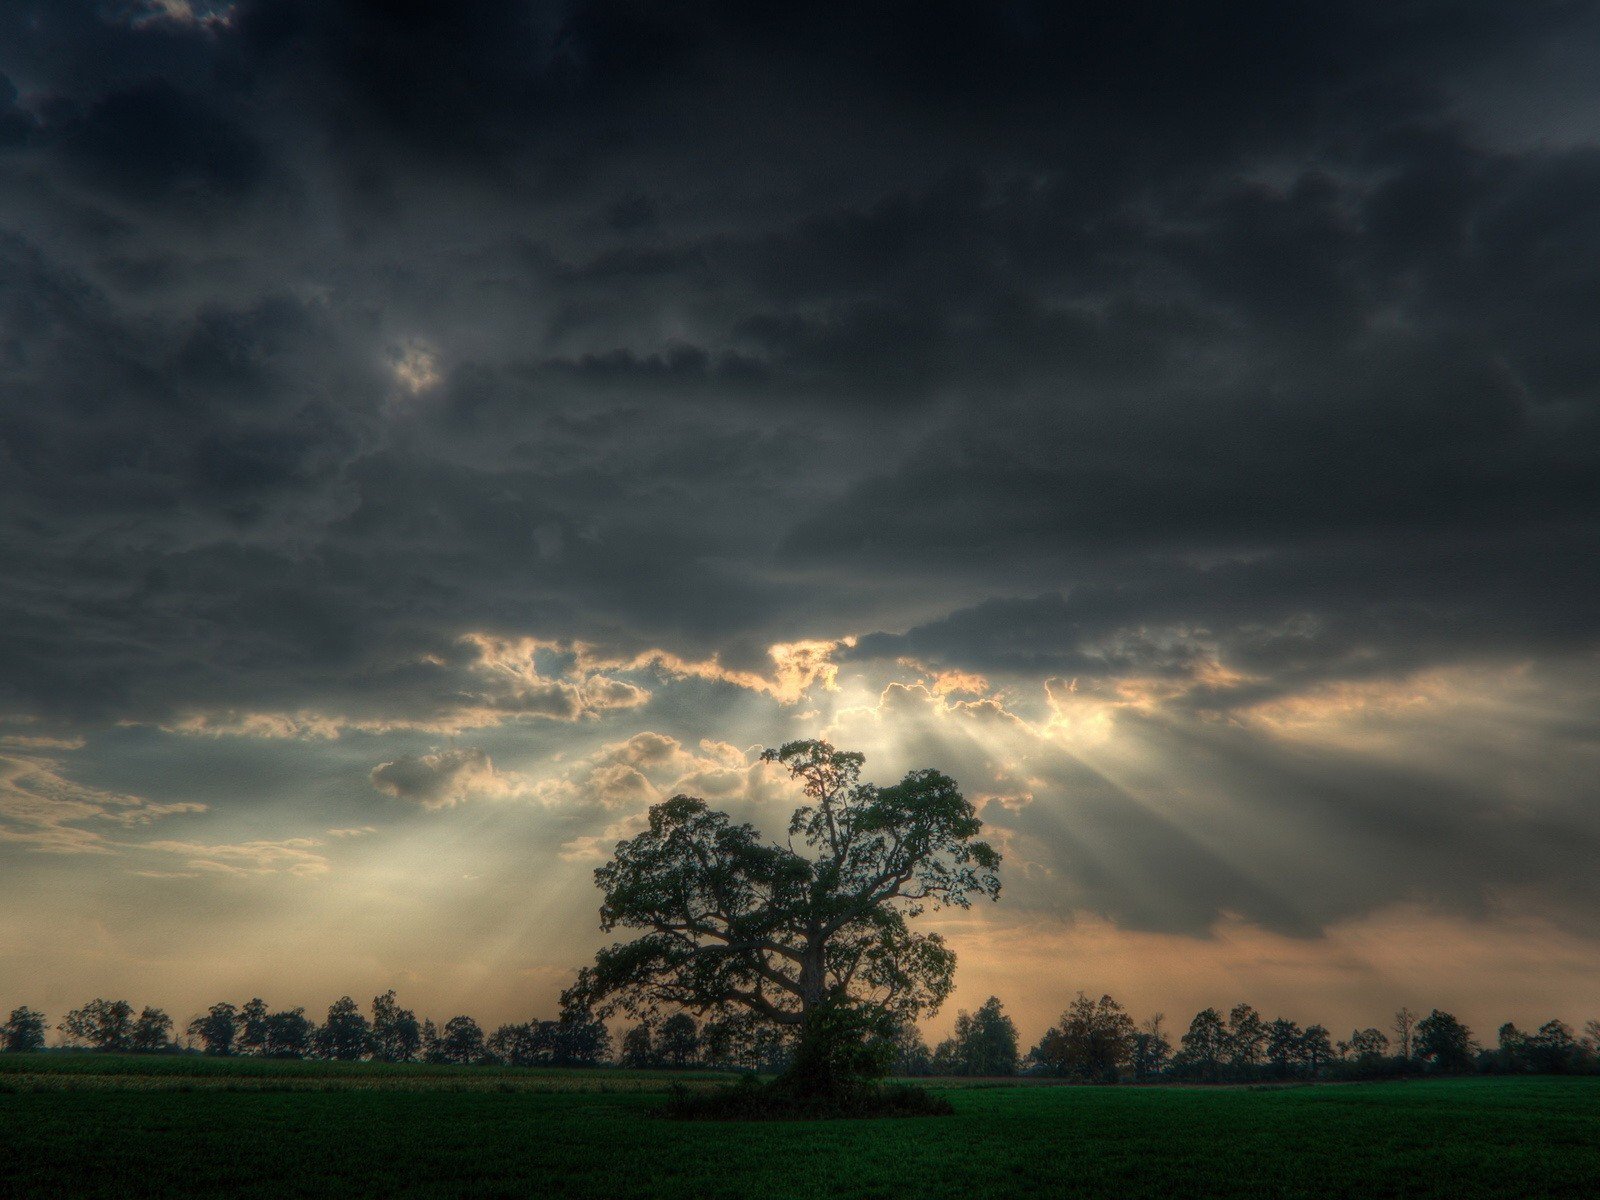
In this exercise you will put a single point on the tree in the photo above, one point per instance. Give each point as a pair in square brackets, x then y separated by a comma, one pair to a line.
[1283, 1043]
[1203, 1046]
[102, 1024]
[911, 1053]
[1404, 1021]
[217, 1029]
[1246, 1040]
[432, 1051]
[1368, 1044]
[1151, 1050]
[1443, 1044]
[23, 1031]
[985, 1042]
[1315, 1049]
[151, 1032]
[461, 1042]
[1553, 1050]
[396, 1034]
[345, 1034]
[289, 1034]
[678, 1040]
[815, 939]
[512, 1046]
[638, 1047]
[253, 1026]
[1093, 1039]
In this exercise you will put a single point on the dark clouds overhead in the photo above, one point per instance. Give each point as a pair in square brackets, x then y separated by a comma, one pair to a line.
[1239, 350]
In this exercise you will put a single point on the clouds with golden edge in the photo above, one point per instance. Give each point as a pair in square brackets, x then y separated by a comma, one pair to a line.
[42, 809]
[509, 679]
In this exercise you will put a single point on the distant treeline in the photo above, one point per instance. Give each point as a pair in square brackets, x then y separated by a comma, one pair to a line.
[1095, 1041]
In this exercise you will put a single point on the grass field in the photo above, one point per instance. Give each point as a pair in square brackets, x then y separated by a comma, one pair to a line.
[97, 1126]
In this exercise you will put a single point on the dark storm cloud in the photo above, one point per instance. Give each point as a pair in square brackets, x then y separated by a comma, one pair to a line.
[1096, 342]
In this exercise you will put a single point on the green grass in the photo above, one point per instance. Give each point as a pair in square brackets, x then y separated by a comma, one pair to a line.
[129, 1129]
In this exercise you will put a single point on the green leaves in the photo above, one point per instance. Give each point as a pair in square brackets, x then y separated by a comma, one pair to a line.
[730, 922]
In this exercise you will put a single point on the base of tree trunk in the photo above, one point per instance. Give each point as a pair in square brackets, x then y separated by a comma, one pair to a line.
[753, 1100]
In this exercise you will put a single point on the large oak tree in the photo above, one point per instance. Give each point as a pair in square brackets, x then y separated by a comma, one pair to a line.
[813, 935]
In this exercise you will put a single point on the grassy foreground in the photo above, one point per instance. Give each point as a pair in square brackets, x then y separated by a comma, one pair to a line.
[89, 1126]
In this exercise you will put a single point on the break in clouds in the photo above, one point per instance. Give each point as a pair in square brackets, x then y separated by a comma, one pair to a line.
[426, 440]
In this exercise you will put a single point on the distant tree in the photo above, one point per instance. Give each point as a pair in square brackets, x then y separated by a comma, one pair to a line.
[513, 1046]
[1246, 1040]
[1443, 1044]
[253, 1026]
[1404, 1022]
[461, 1042]
[638, 1047]
[911, 1054]
[1368, 1043]
[23, 1031]
[678, 1040]
[344, 1035]
[151, 1032]
[1511, 1050]
[101, 1024]
[1316, 1050]
[1151, 1051]
[396, 1034]
[581, 1040]
[1090, 1043]
[1591, 1036]
[1204, 1046]
[1553, 1050]
[217, 1029]
[813, 935]
[431, 1050]
[985, 1042]
[289, 1034]
[1284, 1041]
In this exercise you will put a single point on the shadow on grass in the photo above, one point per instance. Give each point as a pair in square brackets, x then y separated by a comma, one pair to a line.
[752, 1100]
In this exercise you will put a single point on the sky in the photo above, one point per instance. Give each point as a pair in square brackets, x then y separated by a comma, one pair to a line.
[431, 434]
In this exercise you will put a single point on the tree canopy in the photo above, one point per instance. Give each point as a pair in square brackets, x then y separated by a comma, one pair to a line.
[731, 921]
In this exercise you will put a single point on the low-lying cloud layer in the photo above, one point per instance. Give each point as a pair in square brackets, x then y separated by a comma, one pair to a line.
[462, 427]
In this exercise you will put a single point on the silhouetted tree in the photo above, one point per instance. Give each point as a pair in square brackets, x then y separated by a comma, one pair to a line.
[23, 1031]
[461, 1042]
[1246, 1040]
[1091, 1042]
[1283, 1046]
[217, 1029]
[638, 1047]
[289, 1034]
[1151, 1051]
[985, 1043]
[396, 1034]
[344, 1035]
[1204, 1046]
[253, 1026]
[513, 1046]
[102, 1024]
[1368, 1043]
[1316, 1049]
[581, 1039]
[432, 1052]
[1404, 1022]
[1443, 1044]
[911, 1053]
[1553, 1050]
[815, 940]
[678, 1040]
[151, 1032]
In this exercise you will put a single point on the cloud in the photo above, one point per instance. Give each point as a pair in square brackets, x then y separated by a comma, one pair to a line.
[42, 809]
[287, 856]
[437, 780]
